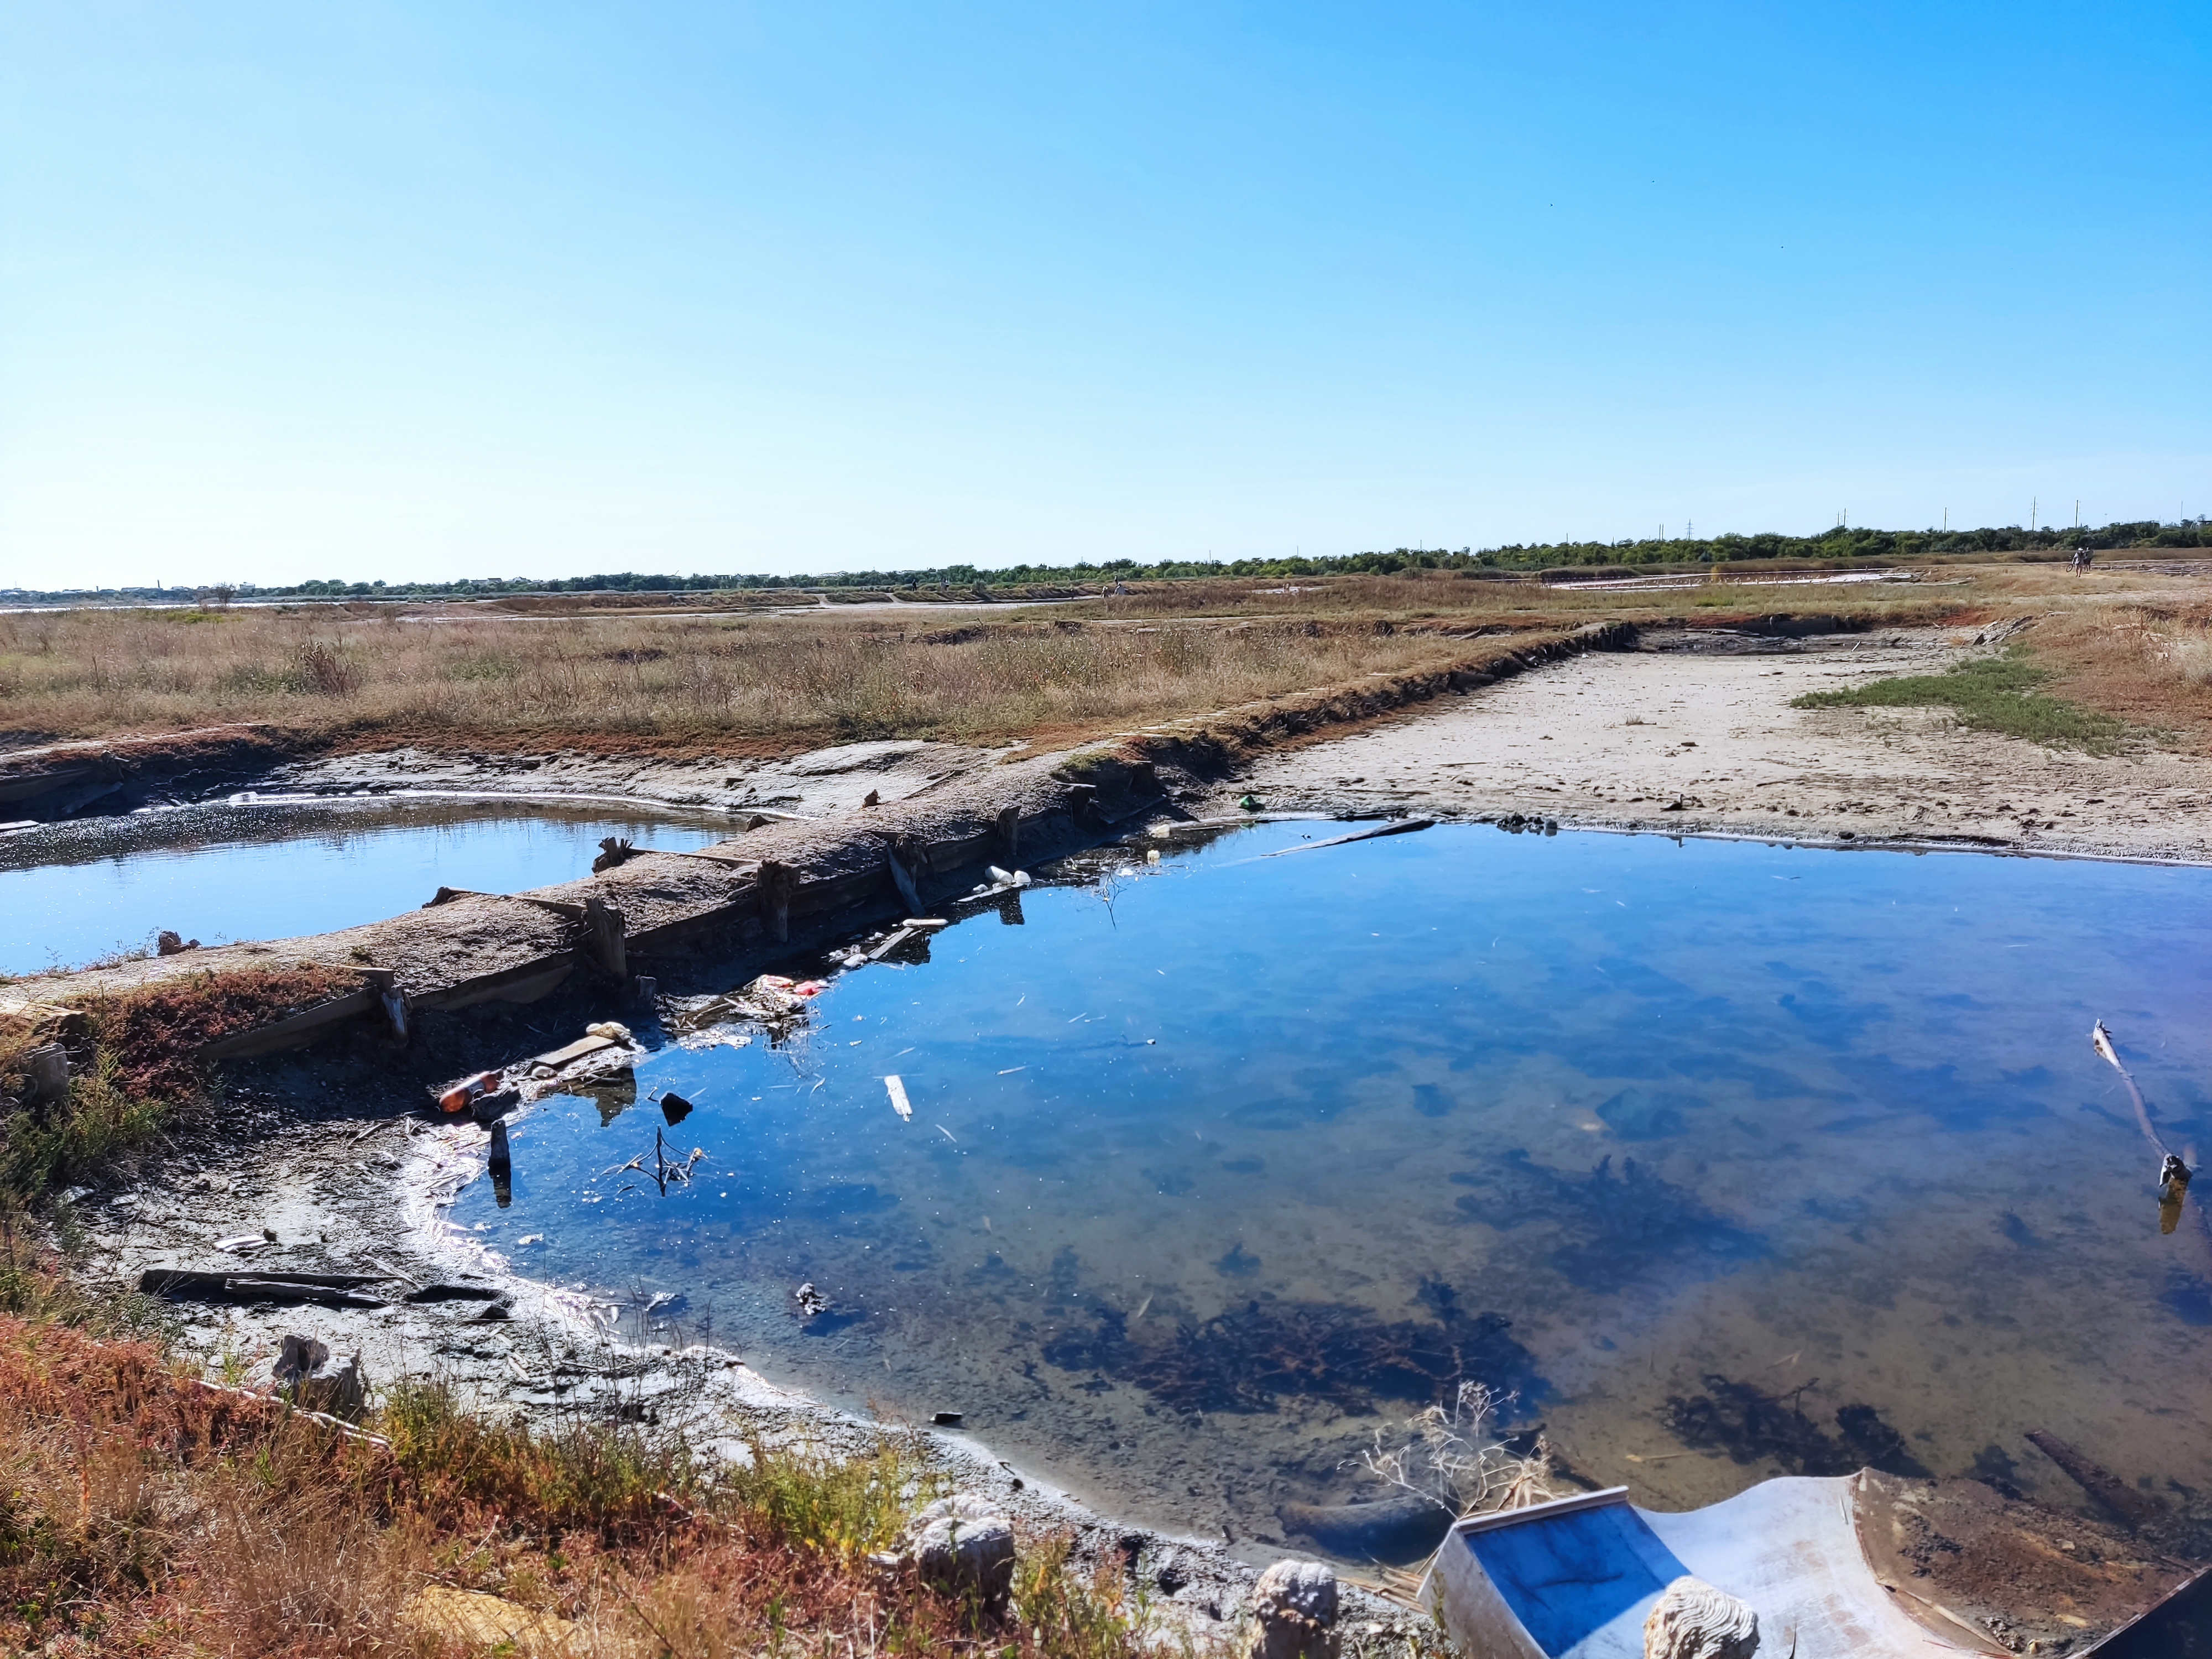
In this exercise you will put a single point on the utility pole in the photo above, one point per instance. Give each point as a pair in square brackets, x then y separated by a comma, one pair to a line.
[2031, 514]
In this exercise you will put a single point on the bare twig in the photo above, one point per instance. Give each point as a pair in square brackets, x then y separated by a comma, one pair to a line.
[1451, 1456]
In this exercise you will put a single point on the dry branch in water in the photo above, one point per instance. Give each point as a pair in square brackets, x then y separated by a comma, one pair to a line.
[1452, 1456]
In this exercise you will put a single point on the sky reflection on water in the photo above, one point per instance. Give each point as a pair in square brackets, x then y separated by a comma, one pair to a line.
[1212, 1162]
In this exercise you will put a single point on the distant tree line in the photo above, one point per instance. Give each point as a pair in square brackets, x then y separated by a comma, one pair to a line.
[1841, 543]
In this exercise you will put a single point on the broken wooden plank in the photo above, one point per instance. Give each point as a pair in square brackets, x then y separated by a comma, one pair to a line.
[301, 1028]
[897, 939]
[2128, 1506]
[525, 982]
[575, 1051]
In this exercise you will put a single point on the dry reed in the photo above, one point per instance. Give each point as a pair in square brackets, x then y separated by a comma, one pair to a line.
[991, 673]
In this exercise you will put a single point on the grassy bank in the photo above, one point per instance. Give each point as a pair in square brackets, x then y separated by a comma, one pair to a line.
[134, 1072]
[1991, 693]
[142, 1513]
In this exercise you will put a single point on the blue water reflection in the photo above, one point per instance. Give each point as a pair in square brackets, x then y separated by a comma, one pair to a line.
[70, 893]
[1216, 1164]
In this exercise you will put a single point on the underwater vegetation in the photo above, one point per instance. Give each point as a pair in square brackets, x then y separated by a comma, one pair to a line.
[1752, 1427]
[1248, 1359]
[1612, 1228]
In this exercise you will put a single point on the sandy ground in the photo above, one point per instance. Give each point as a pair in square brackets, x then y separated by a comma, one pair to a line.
[1696, 736]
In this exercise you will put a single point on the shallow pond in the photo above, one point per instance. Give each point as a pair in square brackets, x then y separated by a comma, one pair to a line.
[72, 892]
[1731, 1159]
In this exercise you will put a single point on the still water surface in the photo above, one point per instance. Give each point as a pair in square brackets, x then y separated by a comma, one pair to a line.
[72, 892]
[1790, 1160]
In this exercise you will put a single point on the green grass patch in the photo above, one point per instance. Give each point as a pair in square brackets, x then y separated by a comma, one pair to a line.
[1993, 694]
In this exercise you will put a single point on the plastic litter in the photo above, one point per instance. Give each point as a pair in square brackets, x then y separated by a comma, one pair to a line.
[463, 1095]
[895, 1088]
[608, 1029]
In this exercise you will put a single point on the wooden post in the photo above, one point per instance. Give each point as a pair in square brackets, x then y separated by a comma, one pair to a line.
[904, 882]
[776, 882]
[1010, 834]
[604, 937]
[395, 1011]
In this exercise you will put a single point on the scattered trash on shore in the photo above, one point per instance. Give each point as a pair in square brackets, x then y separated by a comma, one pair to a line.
[464, 1094]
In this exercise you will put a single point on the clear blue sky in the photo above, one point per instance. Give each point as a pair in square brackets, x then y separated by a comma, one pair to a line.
[409, 291]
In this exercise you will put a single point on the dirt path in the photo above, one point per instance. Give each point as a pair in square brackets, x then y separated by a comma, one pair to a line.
[1696, 736]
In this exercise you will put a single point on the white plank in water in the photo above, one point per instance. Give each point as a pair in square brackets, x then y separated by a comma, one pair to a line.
[896, 1089]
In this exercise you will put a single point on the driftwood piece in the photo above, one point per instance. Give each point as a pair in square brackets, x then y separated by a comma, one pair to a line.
[163, 1281]
[2131, 1508]
[330, 1289]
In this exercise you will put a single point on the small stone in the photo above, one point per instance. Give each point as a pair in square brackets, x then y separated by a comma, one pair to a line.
[1294, 1613]
[1693, 1620]
[963, 1546]
[306, 1375]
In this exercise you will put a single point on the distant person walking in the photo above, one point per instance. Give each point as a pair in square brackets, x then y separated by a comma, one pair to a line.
[2081, 560]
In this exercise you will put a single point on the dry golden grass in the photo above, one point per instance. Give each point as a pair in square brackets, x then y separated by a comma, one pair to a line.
[142, 1514]
[783, 682]
[2148, 663]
